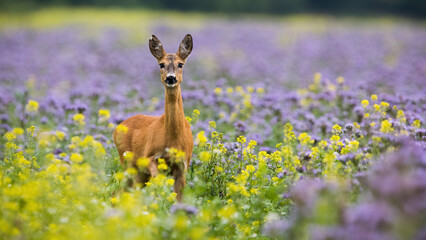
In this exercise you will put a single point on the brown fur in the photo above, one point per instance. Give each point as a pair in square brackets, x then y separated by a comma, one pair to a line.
[150, 136]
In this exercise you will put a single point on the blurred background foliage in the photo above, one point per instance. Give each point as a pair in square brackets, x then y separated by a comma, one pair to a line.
[413, 8]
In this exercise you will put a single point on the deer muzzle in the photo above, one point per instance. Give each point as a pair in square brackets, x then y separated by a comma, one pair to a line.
[170, 81]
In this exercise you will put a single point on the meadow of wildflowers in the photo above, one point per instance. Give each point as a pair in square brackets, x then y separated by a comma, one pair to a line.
[308, 128]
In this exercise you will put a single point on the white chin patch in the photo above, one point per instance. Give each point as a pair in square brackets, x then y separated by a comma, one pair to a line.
[171, 85]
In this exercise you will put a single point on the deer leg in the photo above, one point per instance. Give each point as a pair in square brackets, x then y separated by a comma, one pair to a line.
[180, 182]
[152, 167]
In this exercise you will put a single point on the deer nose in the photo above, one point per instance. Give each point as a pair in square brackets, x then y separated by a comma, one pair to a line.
[170, 80]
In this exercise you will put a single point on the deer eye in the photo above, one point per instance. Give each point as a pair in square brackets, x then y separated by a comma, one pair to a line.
[161, 65]
[180, 65]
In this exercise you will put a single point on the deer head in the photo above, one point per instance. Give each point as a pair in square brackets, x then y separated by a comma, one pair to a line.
[171, 65]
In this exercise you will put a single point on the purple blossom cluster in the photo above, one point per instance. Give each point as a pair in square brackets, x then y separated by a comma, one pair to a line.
[391, 206]
[304, 97]
[245, 82]
[77, 72]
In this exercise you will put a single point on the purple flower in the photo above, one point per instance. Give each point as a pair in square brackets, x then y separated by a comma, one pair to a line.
[188, 209]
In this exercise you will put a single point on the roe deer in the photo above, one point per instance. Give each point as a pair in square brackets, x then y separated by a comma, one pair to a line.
[151, 136]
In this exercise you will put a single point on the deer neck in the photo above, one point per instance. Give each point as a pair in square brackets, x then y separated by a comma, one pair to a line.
[174, 116]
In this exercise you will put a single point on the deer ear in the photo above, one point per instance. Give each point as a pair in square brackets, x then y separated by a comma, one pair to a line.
[156, 47]
[185, 47]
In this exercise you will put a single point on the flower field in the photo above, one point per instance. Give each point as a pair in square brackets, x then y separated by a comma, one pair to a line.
[304, 127]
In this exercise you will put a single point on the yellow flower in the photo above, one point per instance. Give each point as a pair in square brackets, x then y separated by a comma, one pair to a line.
[365, 103]
[260, 90]
[354, 144]
[214, 134]
[31, 107]
[401, 116]
[43, 143]
[31, 130]
[218, 91]
[79, 119]
[189, 119]
[332, 87]
[242, 178]
[275, 180]
[340, 80]
[374, 97]
[9, 136]
[76, 158]
[250, 168]
[162, 167]
[252, 144]
[366, 115]
[376, 107]
[196, 112]
[239, 89]
[335, 138]
[122, 129]
[142, 162]
[241, 139]
[337, 129]
[304, 138]
[416, 123]
[170, 181]
[317, 78]
[201, 138]
[384, 104]
[18, 131]
[104, 115]
[205, 156]
[99, 149]
[46, 139]
[386, 127]
[244, 192]
[52, 169]
[60, 135]
[315, 152]
[227, 212]
[11, 206]
[229, 90]
[76, 140]
[172, 197]
[212, 124]
[376, 139]
[373, 124]
[356, 125]
[119, 176]
[128, 156]
[254, 191]
[180, 155]
[132, 171]
[247, 101]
